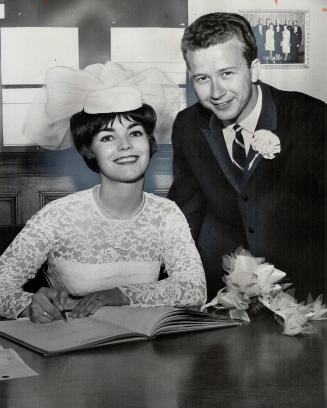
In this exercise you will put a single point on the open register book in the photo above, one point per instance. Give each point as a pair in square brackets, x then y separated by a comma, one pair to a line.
[109, 325]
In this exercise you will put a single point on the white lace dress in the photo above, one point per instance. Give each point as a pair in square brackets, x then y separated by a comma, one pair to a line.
[87, 251]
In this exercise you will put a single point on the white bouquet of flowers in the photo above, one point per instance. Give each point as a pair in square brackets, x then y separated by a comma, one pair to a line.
[250, 278]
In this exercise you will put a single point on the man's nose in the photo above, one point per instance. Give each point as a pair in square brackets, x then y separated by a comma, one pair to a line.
[217, 89]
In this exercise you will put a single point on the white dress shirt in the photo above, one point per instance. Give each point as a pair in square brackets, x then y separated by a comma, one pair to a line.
[248, 124]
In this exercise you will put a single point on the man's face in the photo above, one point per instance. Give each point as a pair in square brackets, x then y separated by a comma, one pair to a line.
[223, 81]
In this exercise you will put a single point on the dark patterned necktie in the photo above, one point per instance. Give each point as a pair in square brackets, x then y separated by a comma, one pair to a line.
[238, 148]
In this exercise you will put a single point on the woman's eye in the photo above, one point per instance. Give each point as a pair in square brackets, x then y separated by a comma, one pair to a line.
[106, 138]
[136, 133]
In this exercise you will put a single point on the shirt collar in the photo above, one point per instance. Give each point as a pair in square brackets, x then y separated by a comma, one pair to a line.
[250, 122]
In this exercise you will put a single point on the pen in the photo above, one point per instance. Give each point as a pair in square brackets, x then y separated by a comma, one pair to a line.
[63, 315]
[62, 312]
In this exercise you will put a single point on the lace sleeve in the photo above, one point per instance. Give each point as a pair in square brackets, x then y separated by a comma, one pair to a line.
[20, 262]
[186, 283]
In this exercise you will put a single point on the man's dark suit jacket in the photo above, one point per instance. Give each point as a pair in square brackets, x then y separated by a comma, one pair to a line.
[277, 210]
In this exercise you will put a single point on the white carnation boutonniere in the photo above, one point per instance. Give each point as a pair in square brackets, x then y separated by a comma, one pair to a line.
[265, 143]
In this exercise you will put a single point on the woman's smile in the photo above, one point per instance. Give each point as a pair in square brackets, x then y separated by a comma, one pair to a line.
[131, 159]
[122, 150]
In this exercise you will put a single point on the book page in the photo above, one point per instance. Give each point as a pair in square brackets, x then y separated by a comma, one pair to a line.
[163, 319]
[139, 319]
[60, 336]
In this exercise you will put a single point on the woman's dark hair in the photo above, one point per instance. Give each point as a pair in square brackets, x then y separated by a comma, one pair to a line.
[84, 126]
[215, 28]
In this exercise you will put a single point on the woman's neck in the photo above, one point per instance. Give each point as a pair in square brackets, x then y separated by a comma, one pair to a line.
[121, 200]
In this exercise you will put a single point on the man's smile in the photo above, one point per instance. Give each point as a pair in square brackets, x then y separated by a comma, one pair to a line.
[222, 105]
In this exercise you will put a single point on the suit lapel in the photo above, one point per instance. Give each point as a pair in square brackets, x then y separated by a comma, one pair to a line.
[215, 138]
[252, 161]
[267, 120]
[268, 117]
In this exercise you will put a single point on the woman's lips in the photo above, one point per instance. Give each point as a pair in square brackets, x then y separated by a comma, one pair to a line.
[126, 160]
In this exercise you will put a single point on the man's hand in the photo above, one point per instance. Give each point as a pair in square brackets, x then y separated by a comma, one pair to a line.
[47, 304]
[91, 302]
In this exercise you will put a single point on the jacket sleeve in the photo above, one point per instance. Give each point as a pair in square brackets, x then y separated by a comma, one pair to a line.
[186, 191]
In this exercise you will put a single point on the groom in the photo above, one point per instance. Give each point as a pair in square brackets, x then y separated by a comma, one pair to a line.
[271, 204]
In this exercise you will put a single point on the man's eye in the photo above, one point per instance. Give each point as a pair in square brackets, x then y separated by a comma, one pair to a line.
[201, 79]
[106, 138]
[227, 74]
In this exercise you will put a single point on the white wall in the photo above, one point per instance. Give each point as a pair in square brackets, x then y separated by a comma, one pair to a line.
[312, 80]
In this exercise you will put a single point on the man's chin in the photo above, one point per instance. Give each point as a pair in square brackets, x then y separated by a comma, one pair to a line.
[225, 116]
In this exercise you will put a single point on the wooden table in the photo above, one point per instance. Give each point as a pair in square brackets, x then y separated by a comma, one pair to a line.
[247, 367]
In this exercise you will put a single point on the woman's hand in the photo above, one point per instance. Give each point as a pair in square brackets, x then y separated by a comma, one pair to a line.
[47, 303]
[91, 302]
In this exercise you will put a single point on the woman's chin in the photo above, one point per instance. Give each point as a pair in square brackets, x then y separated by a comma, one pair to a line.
[126, 177]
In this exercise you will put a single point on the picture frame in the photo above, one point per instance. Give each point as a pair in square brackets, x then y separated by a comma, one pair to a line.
[282, 37]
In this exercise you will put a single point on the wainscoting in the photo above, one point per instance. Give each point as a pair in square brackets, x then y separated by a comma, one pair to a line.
[28, 181]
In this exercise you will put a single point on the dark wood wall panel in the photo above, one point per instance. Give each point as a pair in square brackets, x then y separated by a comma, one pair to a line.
[46, 197]
[9, 209]
[22, 197]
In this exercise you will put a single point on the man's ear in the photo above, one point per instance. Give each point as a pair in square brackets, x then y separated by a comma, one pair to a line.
[255, 70]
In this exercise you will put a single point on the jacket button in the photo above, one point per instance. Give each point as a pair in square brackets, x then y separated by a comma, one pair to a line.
[245, 197]
[251, 230]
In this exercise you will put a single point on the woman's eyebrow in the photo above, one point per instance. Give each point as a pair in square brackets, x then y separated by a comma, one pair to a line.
[133, 125]
[110, 129]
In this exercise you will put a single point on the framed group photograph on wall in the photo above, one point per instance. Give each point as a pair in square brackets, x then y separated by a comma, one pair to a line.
[282, 37]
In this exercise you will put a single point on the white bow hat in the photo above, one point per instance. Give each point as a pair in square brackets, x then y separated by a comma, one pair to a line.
[98, 88]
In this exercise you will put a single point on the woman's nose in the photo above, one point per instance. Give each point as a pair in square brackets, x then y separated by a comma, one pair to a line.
[125, 143]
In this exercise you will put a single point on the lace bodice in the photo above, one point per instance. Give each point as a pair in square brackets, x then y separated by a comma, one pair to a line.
[88, 251]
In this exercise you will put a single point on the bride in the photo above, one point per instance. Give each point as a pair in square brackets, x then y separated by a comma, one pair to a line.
[104, 245]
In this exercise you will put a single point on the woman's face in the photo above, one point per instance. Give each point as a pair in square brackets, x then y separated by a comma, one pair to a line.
[122, 150]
